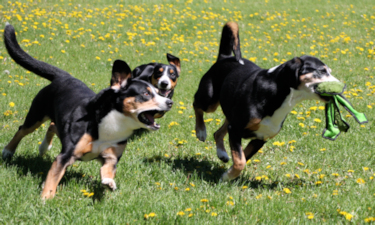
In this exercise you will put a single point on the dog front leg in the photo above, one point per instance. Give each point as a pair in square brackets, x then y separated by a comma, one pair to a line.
[238, 156]
[219, 139]
[55, 174]
[109, 158]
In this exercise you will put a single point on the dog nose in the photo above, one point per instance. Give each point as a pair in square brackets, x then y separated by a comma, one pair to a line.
[163, 84]
[169, 103]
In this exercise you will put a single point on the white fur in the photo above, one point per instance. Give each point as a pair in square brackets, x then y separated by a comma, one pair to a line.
[114, 128]
[271, 125]
[7, 154]
[241, 62]
[110, 183]
[273, 69]
[44, 147]
[225, 177]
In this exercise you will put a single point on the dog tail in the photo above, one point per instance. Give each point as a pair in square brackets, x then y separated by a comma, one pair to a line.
[230, 41]
[40, 68]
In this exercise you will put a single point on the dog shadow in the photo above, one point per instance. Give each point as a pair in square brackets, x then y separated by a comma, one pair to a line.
[39, 166]
[211, 173]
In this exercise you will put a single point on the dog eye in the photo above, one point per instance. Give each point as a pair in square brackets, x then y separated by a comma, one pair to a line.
[146, 94]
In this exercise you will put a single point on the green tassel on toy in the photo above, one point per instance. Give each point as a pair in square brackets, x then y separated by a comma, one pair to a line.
[335, 122]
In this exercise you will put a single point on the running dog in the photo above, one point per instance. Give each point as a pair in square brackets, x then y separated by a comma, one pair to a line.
[255, 101]
[89, 126]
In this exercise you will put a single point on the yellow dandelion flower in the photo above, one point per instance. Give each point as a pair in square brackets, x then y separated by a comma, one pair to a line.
[181, 213]
[360, 181]
[188, 210]
[204, 200]
[152, 214]
[213, 214]
[287, 190]
[317, 120]
[11, 104]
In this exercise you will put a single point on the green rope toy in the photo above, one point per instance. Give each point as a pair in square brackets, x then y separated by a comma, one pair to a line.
[335, 122]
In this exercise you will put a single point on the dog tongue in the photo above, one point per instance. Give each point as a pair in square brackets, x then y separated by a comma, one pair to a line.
[164, 92]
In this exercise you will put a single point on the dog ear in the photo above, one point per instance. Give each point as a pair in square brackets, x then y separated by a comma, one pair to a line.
[121, 72]
[293, 69]
[173, 60]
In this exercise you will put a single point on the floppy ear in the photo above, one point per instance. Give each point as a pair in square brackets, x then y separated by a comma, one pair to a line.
[173, 60]
[120, 73]
[293, 69]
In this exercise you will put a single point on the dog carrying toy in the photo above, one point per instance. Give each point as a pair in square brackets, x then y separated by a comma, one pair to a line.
[335, 122]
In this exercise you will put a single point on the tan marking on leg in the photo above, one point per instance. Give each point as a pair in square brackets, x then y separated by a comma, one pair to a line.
[253, 124]
[21, 133]
[110, 159]
[219, 139]
[239, 162]
[212, 108]
[52, 130]
[83, 146]
[54, 176]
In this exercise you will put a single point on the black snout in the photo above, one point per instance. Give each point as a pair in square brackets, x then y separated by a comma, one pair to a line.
[163, 84]
[169, 103]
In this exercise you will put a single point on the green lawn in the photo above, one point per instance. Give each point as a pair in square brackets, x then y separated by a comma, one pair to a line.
[169, 176]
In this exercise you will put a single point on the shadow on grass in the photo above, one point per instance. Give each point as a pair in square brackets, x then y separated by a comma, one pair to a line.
[211, 172]
[39, 166]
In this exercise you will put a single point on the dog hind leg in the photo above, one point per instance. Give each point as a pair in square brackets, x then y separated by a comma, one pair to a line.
[55, 174]
[47, 141]
[238, 156]
[28, 127]
[219, 139]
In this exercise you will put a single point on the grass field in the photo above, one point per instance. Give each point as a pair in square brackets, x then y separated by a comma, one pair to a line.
[169, 176]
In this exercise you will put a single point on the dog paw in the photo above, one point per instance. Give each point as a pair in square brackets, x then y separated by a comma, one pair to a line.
[225, 177]
[110, 183]
[7, 154]
[201, 134]
[44, 147]
[222, 155]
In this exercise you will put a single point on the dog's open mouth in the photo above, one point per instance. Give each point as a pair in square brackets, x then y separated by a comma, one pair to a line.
[164, 92]
[147, 117]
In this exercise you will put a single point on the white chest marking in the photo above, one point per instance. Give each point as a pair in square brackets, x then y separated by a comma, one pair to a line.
[114, 128]
[271, 125]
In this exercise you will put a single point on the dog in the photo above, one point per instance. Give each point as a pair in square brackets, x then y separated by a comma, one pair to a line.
[89, 126]
[255, 101]
[163, 77]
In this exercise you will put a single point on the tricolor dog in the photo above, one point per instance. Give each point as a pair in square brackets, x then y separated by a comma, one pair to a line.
[255, 101]
[163, 77]
[89, 126]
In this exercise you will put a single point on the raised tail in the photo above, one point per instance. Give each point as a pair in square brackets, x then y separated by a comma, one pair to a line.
[25, 60]
[230, 42]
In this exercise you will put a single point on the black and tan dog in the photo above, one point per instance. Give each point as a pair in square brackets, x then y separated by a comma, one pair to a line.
[255, 101]
[90, 126]
[162, 76]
